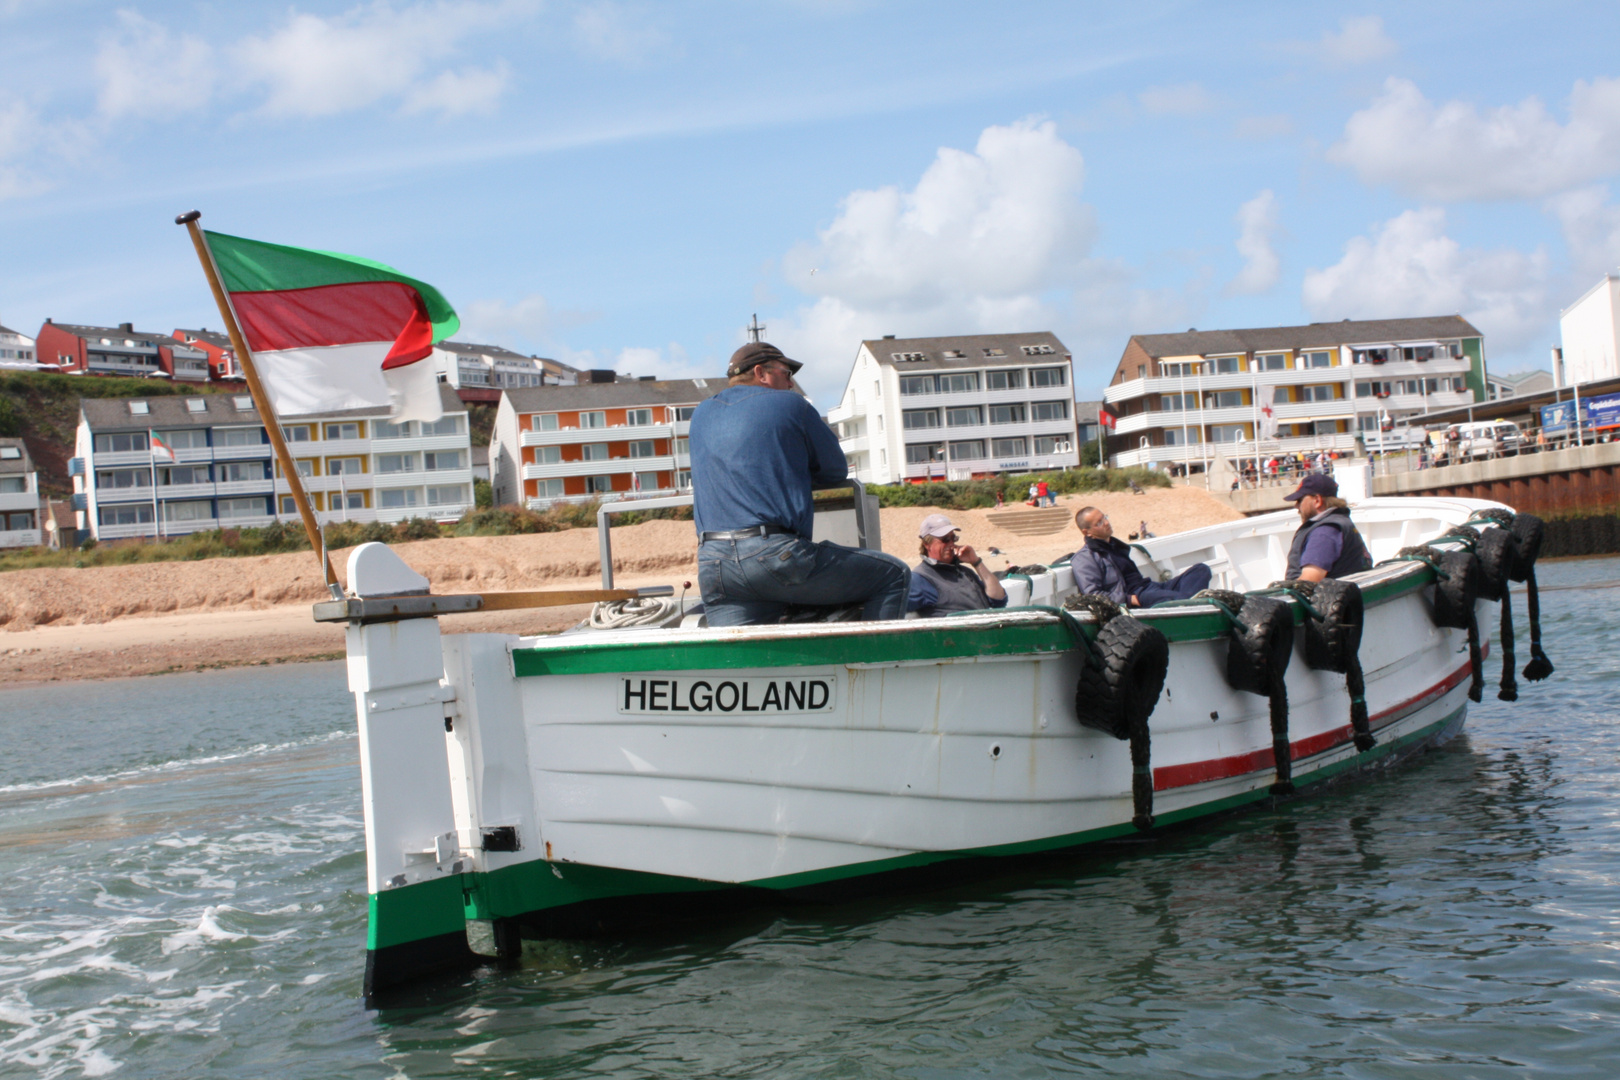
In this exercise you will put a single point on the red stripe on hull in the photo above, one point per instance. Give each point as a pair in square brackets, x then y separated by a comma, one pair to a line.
[333, 315]
[1200, 772]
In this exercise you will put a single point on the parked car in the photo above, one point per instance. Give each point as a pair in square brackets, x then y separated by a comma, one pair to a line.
[1486, 438]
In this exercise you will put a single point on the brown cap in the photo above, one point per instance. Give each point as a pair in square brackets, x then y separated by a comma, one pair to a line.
[755, 353]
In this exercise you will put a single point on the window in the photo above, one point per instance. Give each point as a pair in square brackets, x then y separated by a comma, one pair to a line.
[1009, 448]
[440, 460]
[343, 431]
[597, 451]
[1316, 359]
[18, 521]
[916, 384]
[444, 425]
[959, 382]
[243, 402]
[288, 506]
[193, 439]
[120, 442]
[683, 446]
[543, 422]
[449, 495]
[646, 481]
[1180, 436]
[1227, 399]
[1367, 422]
[598, 484]
[397, 498]
[1226, 432]
[637, 417]
[1228, 365]
[1004, 380]
[547, 455]
[1271, 362]
[10, 453]
[13, 485]
[239, 436]
[296, 433]
[1053, 444]
[196, 404]
[238, 472]
[352, 500]
[139, 408]
[644, 448]
[133, 514]
[193, 510]
[967, 450]
[1325, 427]
[995, 352]
[345, 466]
[964, 416]
[305, 466]
[183, 474]
[395, 463]
[684, 413]
[593, 419]
[1037, 350]
[683, 480]
[115, 479]
[908, 357]
[1049, 410]
[1316, 393]
[1048, 376]
[1008, 414]
[914, 419]
[954, 354]
[922, 453]
[240, 508]
[548, 489]
[1169, 403]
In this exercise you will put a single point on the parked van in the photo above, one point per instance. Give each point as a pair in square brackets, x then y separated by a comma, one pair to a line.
[1486, 438]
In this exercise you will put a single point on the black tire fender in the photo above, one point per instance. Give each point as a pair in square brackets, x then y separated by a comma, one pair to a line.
[1334, 643]
[1456, 590]
[1529, 531]
[1497, 551]
[1120, 691]
[1262, 650]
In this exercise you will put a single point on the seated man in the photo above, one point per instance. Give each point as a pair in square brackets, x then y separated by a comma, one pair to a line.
[757, 450]
[950, 578]
[1327, 544]
[1104, 566]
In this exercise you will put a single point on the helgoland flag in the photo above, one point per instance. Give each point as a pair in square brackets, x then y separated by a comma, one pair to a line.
[331, 332]
[161, 451]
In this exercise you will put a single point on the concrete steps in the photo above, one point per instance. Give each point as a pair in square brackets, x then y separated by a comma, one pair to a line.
[1031, 521]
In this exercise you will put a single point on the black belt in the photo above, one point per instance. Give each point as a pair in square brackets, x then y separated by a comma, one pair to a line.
[744, 534]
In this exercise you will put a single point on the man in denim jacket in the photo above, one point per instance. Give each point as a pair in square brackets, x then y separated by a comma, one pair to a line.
[758, 449]
[1105, 567]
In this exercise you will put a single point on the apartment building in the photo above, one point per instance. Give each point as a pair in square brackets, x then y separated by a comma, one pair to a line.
[481, 372]
[596, 440]
[211, 466]
[20, 506]
[1518, 384]
[1185, 399]
[16, 350]
[119, 350]
[958, 407]
[222, 362]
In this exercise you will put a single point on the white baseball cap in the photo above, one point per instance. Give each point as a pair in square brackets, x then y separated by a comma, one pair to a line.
[936, 525]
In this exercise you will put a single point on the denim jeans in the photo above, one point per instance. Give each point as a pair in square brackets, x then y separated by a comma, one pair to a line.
[752, 581]
[1181, 587]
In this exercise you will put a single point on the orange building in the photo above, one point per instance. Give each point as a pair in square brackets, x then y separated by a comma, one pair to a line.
[602, 440]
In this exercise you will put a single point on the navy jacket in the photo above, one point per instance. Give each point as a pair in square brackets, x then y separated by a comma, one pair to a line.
[1105, 567]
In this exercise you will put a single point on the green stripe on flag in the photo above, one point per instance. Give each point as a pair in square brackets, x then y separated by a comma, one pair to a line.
[255, 266]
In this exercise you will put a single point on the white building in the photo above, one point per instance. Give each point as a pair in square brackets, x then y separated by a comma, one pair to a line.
[467, 366]
[957, 407]
[19, 497]
[1590, 330]
[16, 350]
[1518, 384]
[355, 464]
[1186, 399]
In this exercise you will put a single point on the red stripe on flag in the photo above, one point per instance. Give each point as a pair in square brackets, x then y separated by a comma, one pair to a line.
[331, 315]
[415, 341]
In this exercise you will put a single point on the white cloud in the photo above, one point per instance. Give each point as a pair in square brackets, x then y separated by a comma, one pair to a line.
[1183, 99]
[1257, 224]
[315, 66]
[147, 72]
[1453, 151]
[1591, 226]
[996, 239]
[456, 93]
[1360, 40]
[1410, 267]
[612, 31]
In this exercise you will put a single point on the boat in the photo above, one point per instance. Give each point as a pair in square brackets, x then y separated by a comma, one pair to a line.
[545, 785]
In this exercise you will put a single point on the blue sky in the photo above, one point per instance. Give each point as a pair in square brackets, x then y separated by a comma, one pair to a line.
[621, 184]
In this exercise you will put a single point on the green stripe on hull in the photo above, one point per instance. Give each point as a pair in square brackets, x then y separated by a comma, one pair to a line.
[414, 912]
[931, 640]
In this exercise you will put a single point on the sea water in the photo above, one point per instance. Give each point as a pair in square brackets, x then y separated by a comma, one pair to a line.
[182, 895]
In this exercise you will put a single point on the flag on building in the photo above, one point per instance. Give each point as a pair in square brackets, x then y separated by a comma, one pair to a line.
[331, 332]
[1105, 418]
[161, 451]
[1264, 396]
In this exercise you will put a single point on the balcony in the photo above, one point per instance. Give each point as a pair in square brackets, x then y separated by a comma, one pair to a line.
[243, 453]
[108, 496]
[230, 488]
[599, 468]
[607, 496]
[621, 433]
[20, 538]
[1234, 451]
[20, 500]
[943, 470]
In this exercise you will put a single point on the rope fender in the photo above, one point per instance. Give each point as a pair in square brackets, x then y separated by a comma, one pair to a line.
[1120, 683]
[1260, 644]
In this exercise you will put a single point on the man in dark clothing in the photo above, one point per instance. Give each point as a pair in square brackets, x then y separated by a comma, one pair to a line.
[1105, 567]
[950, 578]
[758, 449]
[1327, 544]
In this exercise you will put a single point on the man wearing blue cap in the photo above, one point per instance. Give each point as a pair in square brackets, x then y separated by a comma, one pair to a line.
[1327, 544]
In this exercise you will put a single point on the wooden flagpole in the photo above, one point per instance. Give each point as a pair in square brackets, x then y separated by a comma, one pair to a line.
[267, 412]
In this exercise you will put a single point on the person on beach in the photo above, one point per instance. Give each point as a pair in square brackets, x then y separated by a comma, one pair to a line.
[758, 449]
[1104, 567]
[951, 576]
[1327, 543]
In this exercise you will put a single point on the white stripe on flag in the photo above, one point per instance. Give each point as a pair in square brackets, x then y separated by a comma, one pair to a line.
[334, 377]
